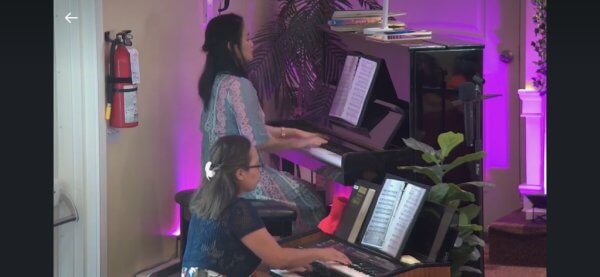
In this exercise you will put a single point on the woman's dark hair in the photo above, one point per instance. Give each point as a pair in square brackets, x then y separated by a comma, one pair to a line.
[227, 155]
[221, 31]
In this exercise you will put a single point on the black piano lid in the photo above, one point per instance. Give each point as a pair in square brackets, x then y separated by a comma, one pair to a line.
[455, 41]
[439, 40]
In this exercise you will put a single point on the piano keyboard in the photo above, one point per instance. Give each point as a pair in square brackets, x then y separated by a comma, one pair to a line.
[363, 264]
[344, 269]
[326, 156]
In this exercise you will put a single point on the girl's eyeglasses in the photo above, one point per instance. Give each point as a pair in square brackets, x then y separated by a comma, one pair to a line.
[256, 166]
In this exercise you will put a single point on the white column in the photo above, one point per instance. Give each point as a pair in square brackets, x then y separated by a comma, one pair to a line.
[533, 109]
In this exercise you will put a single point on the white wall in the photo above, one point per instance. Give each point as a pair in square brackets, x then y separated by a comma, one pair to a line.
[149, 163]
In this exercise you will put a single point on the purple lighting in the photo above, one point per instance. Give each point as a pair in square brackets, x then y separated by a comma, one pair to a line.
[496, 131]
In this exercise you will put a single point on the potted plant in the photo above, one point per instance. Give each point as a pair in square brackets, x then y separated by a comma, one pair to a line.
[466, 245]
[289, 55]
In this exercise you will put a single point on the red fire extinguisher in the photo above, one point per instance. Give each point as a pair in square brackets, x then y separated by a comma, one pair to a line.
[124, 76]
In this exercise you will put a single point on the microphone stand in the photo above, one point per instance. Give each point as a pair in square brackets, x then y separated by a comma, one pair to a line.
[478, 145]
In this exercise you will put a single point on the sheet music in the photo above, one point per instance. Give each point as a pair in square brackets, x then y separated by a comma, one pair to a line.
[365, 73]
[405, 213]
[383, 213]
[344, 86]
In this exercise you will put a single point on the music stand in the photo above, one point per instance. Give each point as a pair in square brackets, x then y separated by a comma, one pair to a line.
[537, 201]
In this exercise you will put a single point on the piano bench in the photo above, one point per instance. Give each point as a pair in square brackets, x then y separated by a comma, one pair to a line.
[278, 218]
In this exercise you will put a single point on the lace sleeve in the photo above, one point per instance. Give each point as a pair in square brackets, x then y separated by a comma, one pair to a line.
[243, 218]
[249, 115]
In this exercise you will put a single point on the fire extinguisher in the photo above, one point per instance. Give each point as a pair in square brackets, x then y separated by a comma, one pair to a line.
[124, 77]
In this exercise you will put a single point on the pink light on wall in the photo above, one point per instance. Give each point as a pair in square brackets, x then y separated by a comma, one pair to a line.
[186, 130]
[496, 125]
[188, 170]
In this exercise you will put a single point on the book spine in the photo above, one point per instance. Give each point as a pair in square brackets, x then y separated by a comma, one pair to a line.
[360, 218]
[354, 27]
[407, 34]
[353, 21]
[358, 13]
[350, 211]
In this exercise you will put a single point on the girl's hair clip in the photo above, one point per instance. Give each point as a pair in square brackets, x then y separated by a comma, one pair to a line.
[209, 172]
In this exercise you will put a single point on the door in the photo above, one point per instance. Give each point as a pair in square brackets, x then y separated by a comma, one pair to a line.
[496, 24]
[79, 140]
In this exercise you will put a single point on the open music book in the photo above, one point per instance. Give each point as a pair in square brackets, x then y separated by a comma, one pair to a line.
[394, 215]
[353, 88]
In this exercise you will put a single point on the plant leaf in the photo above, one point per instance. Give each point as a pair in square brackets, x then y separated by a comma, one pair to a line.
[478, 184]
[448, 141]
[458, 242]
[474, 240]
[471, 211]
[463, 159]
[456, 193]
[460, 255]
[475, 255]
[438, 192]
[427, 171]
[463, 220]
[454, 203]
[430, 157]
[371, 4]
[417, 145]
[465, 231]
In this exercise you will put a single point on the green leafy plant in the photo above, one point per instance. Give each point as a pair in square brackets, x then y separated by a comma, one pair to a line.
[453, 195]
[539, 81]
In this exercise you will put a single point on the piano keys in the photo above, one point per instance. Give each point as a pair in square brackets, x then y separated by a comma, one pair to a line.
[344, 160]
[365, 262]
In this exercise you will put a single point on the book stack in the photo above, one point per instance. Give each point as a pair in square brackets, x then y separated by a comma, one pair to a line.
[401, 35]
[357, 20]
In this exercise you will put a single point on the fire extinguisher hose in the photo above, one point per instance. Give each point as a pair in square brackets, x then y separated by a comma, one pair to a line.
[111, 74]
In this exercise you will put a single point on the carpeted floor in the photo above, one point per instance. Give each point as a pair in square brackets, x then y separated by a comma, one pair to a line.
[492, 270]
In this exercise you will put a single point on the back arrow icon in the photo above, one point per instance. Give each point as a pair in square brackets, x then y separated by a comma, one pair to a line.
[70, 17]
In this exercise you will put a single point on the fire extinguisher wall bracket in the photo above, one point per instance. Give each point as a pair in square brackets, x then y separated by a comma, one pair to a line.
[107, 36]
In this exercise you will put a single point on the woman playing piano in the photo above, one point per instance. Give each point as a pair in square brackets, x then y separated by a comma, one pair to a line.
[231, 107]
[226, 235]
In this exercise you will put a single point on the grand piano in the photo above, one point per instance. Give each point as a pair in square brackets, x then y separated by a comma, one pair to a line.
[415, 94]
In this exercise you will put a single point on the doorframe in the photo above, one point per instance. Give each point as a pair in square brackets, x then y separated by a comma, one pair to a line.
[80, 140]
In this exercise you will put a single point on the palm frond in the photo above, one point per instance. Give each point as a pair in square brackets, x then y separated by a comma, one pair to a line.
[371, 4]
[290, 66]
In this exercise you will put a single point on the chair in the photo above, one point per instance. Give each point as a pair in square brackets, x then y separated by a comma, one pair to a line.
[278, 218]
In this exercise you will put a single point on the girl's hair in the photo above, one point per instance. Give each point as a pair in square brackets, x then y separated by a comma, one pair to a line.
[227, 155]
[222, 32]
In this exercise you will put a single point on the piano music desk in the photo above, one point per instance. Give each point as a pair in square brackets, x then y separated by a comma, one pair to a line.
[422, 270]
